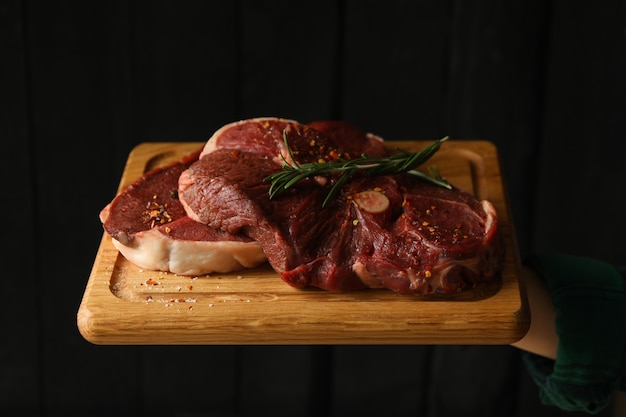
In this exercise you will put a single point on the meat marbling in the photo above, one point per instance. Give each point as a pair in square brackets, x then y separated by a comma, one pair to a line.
[423, 239]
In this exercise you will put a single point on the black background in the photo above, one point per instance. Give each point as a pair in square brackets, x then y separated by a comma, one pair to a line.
[83, 82]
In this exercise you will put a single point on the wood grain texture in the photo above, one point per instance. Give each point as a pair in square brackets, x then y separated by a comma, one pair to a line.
[124, 304]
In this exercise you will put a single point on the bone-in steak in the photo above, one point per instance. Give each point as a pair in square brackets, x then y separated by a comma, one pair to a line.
[393, 231]
[150, 228]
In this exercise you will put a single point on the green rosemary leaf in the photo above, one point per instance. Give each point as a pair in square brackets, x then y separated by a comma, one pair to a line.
[337, 186]
[401, 162]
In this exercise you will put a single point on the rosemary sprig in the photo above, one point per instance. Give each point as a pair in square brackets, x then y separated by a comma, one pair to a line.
[402, 162]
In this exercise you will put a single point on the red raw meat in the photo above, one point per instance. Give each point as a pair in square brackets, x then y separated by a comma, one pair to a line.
[418, 238]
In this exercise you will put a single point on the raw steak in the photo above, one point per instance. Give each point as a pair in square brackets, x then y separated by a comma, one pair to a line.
[393, 231]
[264, 136]
[151, 229]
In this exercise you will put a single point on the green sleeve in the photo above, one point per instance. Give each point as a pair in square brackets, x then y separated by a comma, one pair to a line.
[590, 305]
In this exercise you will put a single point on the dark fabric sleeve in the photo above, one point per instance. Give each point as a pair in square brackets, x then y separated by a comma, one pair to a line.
[590, 306]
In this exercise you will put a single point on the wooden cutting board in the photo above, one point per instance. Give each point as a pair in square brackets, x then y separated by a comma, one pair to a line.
[123, 304]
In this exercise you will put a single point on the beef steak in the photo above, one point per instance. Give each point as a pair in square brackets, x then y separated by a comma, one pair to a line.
[393, 231]
[323, 139]
[150, 228]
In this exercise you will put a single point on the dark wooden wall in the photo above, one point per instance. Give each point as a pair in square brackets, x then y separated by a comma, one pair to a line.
[83, 82]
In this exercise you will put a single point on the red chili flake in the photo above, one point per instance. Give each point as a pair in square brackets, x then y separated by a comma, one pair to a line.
[155, 213]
